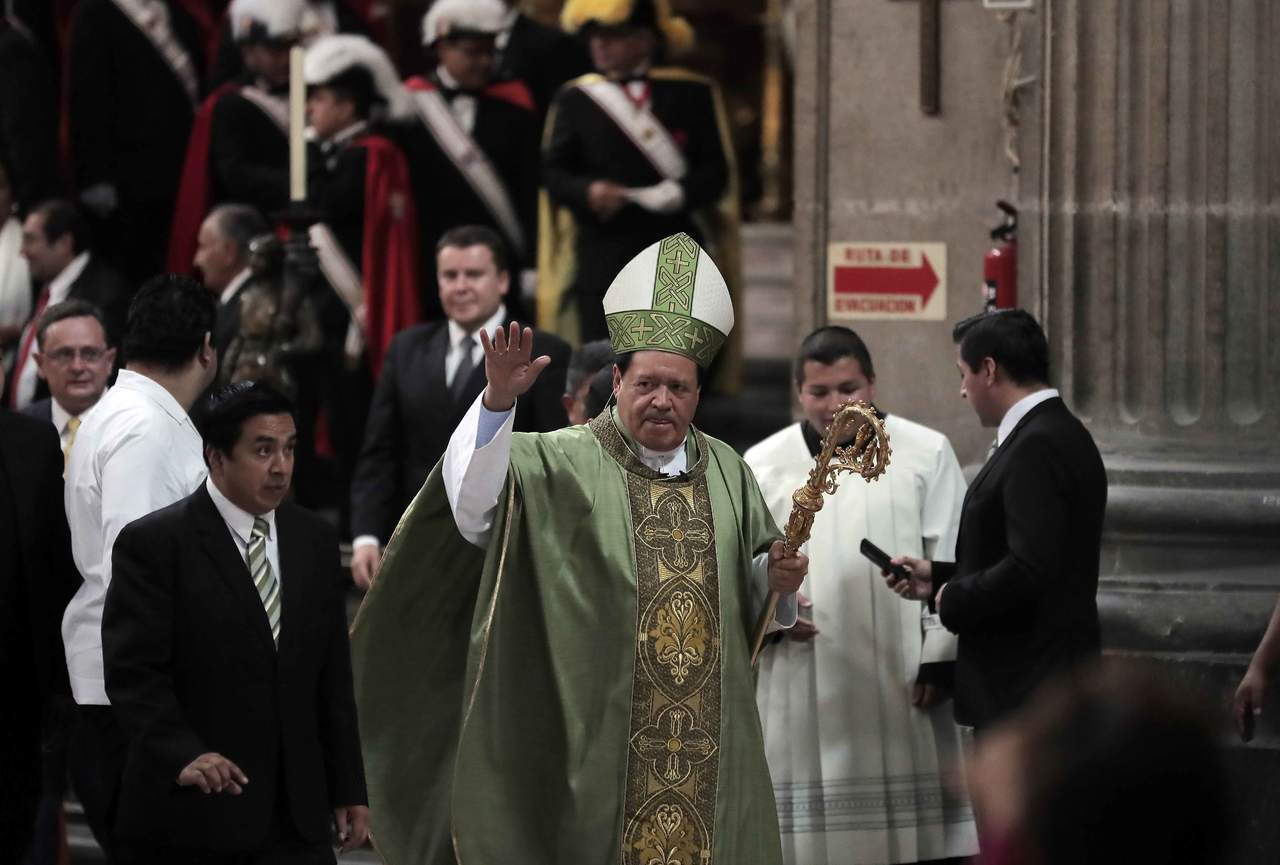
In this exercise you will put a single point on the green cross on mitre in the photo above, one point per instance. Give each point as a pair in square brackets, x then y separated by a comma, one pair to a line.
[670, 297]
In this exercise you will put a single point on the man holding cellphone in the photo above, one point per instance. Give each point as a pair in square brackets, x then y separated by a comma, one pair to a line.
[1021, 592]
[854, 699]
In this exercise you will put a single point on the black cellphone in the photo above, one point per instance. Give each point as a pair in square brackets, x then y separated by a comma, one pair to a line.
[881, 558]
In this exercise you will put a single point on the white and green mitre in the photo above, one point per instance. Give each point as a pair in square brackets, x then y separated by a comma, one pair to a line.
[670, 297]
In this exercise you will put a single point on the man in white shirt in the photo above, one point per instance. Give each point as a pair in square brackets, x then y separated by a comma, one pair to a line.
[137, 452]
[73, 357]
[432, 375]
[55, 244]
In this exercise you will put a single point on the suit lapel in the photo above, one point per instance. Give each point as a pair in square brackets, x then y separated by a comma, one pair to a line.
[215, 538]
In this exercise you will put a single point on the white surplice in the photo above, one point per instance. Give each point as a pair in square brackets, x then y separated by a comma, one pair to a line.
[861, 777]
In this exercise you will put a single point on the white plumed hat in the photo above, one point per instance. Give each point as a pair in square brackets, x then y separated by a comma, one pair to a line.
[463, 18]
[330, 56]
[266, 19]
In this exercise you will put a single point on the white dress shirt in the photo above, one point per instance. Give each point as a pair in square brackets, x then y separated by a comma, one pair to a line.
[240, 524]
[462, 105]
[461, 341]
[61, 417]
[136, 453]
[233, 286]
[59, 288]
[1019, 410]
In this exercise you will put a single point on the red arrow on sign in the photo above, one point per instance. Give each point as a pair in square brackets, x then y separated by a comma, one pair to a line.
[921, 281]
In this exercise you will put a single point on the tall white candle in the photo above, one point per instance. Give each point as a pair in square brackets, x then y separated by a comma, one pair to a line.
[297, 126]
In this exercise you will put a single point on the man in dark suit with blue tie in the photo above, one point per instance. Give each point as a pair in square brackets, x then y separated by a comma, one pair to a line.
[227, 664]
[430, 377]
[1022, 592]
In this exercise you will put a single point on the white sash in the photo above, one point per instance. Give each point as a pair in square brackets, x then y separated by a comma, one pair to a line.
[275, 107]
[471, 161]
[154, 23]
[344, 279]
[640, 125]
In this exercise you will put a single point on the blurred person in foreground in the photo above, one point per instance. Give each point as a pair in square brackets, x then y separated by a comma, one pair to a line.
[1106, 767]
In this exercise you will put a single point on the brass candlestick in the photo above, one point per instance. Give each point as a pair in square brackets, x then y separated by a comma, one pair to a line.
[867, 454]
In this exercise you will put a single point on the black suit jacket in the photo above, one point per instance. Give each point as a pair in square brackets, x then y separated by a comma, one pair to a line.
[413, 416]
[249, 155]
[37, 579]
[191, 668]
[104, 287]
[543, 58]
[41, 410]
[1022, 591]
[509, 137]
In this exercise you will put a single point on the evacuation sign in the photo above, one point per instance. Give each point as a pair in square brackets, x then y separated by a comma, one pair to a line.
[887, 281]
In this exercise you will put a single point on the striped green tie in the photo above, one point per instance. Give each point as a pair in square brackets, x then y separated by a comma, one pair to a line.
[264, 580]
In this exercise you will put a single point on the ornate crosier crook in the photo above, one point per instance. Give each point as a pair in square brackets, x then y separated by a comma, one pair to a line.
[867, 454]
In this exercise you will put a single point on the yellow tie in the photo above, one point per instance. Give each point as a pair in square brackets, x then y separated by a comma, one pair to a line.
[72, 426]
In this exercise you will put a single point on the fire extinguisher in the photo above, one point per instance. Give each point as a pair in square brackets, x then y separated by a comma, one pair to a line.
[1000, 264]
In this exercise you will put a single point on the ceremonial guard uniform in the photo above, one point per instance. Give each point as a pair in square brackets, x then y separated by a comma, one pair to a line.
[319, 18]
[367, 245]
[134, 87]
[239, 147]
[473, 144]
[542, 57]
[658, 133]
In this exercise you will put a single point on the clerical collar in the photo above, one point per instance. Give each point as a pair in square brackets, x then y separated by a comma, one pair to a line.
[669, 463]
[813, 438]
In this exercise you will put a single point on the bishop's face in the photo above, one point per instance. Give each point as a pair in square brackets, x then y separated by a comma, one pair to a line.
[657, 397]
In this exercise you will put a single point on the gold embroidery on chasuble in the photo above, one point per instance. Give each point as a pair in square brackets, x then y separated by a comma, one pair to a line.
[673, 756]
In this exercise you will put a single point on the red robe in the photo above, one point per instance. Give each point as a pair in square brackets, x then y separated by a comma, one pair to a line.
[389, 261]
[514, 92]
[195, 188]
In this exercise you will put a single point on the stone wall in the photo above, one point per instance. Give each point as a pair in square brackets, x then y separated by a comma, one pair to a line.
[1149, 143]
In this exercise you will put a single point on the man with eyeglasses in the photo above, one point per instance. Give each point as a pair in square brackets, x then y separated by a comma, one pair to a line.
[73, 357]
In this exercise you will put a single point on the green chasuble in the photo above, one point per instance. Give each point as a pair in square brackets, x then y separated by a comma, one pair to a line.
[580, 692]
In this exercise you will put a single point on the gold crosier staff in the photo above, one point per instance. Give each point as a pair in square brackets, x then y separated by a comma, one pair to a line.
[867, 455]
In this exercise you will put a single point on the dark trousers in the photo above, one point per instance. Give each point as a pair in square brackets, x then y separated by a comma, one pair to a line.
[96, 759]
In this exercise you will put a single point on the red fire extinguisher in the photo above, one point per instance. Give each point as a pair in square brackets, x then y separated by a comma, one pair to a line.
[1000, 264]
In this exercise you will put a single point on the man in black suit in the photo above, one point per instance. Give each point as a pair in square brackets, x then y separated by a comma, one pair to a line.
[632, 155]
[55, 242]
[227, 664]
[1021, 594]
[37, 578]
[432, 375]
[222, 257]
[134, 84]
[542, 57]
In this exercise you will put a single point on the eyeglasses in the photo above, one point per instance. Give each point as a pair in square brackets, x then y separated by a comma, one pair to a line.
[67, 356]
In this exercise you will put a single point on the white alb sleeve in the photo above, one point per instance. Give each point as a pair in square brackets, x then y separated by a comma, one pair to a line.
[475, 469]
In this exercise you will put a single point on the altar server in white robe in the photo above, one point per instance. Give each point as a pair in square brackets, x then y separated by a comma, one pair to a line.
[859, 734]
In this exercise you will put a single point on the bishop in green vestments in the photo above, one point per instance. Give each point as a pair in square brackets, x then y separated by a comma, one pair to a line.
[553, 663]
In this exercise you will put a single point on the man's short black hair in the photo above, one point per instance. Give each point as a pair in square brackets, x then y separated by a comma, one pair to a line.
[623, 362]
[826, 345]
[1010, 337]
[477, 235]
[586, 361]
[168, 320]
[226, 412]
[599, 392]
[239, 224]
[70, 309]
[60, 218]
[355, 85]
